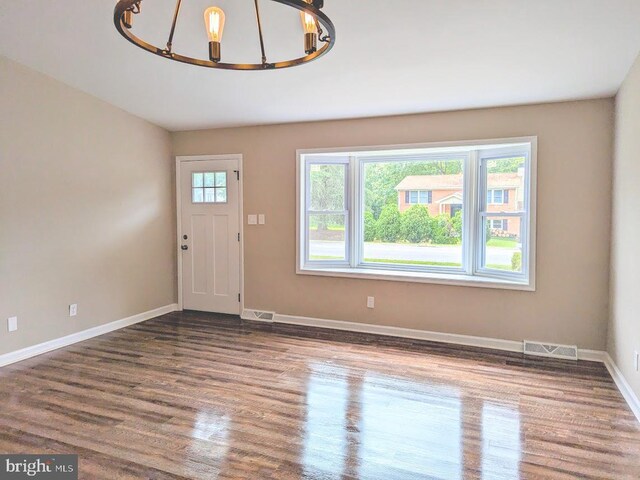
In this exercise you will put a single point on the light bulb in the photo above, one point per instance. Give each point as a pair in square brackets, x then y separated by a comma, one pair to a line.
[308, 23]
[310, 31]
[214, 20]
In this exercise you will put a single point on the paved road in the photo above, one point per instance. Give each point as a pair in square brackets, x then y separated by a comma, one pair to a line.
[448, 254]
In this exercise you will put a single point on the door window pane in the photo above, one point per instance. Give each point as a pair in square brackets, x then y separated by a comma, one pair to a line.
[419, 234]
[327, 237]
[221, 195]
[198, 195]
[209, 178]
[221, 179]
[197, 180]
[327, 187]
[209, 187]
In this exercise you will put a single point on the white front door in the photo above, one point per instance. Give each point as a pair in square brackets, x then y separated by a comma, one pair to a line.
[210, 235]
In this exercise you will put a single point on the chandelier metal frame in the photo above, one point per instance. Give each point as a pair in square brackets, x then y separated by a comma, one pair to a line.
[126, 9]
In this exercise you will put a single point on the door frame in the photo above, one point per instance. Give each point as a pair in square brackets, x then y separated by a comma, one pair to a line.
[202, 158]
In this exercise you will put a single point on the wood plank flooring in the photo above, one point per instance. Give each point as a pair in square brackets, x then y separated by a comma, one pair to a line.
[192, 395]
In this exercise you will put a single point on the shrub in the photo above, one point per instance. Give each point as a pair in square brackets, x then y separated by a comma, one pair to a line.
[416, 225]
[516, 261]
[370, 227]
[389, 224]
[456, 222]
[443, 231]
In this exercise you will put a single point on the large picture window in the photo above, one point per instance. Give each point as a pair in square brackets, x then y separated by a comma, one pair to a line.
[458, 213]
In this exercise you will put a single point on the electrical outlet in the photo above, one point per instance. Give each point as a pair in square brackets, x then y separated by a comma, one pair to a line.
[261, 219]
[73, 310]
[12, 324]
[636, 360]
[371, 302]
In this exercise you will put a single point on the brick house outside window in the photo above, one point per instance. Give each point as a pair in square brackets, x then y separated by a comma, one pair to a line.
[442, 195]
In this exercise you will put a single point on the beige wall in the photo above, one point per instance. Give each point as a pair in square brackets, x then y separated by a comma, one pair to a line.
[624, 326]
[87, 216]
[86, 210]
[575, 155]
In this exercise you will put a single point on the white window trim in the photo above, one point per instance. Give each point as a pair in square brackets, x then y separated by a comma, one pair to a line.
[347, 212]
[472, 274]
[360, 262]
[525, 215]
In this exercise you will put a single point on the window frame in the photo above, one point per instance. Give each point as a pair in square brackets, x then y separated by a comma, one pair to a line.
[492, 192]
[483, 214]
[347, 212]
[472, 273]
[429, 194]
[359, 174]
[502, 224]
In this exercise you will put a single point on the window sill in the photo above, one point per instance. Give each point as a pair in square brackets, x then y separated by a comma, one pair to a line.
[420, 277]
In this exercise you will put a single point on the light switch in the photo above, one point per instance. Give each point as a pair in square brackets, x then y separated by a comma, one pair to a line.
[261, 219]
[252, 219]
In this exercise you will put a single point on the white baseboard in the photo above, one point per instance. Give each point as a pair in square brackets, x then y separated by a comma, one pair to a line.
[45, 347]
[591, 355]
[452, 338]
[622, 384]
[494, 343]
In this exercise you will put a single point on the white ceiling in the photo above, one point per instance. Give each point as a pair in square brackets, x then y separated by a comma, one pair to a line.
[391, 57]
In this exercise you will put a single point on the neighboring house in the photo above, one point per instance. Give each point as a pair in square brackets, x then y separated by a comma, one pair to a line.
[442, 195]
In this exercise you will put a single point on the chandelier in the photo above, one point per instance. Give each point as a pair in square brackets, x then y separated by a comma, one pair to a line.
[317, 28]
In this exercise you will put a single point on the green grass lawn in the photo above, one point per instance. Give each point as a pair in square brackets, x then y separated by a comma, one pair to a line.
[324, 257]
[493, 242]
[399, 262]
[500, 267]
[410, 262]
[331, 228]
[502, 242]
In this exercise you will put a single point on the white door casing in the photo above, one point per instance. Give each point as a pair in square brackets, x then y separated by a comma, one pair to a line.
[209, 233]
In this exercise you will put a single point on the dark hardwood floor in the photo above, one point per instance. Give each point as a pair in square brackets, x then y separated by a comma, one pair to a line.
[191, 395]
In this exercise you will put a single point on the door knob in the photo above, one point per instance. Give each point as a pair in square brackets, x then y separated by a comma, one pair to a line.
[185, 247]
